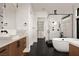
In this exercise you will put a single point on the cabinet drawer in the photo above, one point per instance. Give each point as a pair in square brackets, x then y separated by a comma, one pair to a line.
[73, 50]
[4, 51]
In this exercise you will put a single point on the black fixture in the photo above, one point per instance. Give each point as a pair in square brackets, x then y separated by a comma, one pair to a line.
[17, 5]
[66, 16]
[61, 35]
[4, 5]
[2, 22]
[25, 24]
[77, 27]
[77, 11]
[57, 29]
[6, 23]
[52, 22]
[55, 12]
[62, 39]
[4, 31]
[1, 16]
[52, 29]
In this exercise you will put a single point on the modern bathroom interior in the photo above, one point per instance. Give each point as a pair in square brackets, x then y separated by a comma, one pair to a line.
[39, 29]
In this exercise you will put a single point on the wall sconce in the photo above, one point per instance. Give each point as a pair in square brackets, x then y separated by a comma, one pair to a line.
[25, 24]
[5, 24]
[2, 22]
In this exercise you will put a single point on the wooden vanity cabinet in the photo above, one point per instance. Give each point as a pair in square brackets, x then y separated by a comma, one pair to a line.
[13, 51]
[4, 51]
[22, 43]
[73, 50]
[16, 48]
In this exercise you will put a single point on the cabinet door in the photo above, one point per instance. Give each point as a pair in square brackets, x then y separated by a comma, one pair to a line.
[16, 48]
[73, 50]
[13, 51]
[4, 51]
[22, 45]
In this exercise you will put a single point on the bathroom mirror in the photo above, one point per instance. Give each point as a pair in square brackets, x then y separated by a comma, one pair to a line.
[62, 26]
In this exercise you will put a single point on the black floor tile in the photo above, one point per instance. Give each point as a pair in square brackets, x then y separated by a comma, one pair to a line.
[41, 49]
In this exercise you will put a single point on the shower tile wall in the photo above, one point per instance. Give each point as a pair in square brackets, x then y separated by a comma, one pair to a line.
[54, 21]
[1, 15]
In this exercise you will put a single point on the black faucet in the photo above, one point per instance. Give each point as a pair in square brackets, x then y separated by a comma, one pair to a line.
[61, 35]
[2, 31]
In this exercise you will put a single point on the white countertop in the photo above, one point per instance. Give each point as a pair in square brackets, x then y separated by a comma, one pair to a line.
[75, 43]
[7, 40]
[72, 41]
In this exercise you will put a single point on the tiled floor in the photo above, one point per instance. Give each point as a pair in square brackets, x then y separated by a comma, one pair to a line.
[41, 49]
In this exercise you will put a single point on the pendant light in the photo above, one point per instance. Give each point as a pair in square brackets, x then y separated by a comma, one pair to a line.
[55, 12]
[4, 5]
[17, 5]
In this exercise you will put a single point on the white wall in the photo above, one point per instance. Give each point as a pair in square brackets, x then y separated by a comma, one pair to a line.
[9, 17]
[34, 27]
[1, 13]
[49, 8]
[21, 16]
[24, 13]
[30, 25]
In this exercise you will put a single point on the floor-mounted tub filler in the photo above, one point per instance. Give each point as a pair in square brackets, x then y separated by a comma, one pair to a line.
[62, 44]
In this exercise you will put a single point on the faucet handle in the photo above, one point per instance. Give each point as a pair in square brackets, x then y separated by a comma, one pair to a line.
[62, 39]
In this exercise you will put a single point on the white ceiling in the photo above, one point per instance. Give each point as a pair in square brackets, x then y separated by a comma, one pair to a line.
[49, 7]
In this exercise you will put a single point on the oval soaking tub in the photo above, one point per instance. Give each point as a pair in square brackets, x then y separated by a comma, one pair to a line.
[62, 44]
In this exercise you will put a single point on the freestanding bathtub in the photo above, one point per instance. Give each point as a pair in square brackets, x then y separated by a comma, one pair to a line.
[62, 44]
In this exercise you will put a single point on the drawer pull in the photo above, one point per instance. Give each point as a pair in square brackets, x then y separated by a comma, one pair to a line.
[2, 50]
